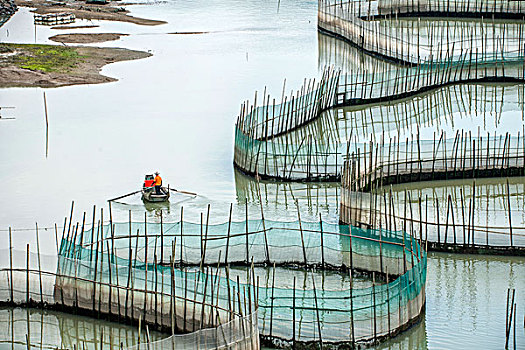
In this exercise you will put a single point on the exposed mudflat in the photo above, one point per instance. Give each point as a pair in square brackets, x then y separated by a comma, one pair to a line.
[23, 65]
[82, 10]
[74, 27]
[81, 38]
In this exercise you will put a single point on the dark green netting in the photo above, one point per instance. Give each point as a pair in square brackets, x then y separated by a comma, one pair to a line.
[388, 305]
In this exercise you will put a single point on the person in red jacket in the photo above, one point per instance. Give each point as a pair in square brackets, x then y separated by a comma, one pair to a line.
[157, 182]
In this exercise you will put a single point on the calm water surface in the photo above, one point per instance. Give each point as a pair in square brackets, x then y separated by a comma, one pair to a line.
[57, 330]
[175, 112]
[466, 303]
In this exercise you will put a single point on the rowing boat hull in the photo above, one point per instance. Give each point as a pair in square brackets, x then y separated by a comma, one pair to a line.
[149, 195]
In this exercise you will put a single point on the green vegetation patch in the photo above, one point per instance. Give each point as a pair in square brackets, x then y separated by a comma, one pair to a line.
[44, 58]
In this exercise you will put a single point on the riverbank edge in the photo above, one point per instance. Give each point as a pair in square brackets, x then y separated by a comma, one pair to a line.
[51, 67]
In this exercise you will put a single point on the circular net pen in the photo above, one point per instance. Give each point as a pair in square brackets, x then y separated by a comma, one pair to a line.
[384, 272]
[449, 222]
[428, 55]
[194, 307]
[377, 27]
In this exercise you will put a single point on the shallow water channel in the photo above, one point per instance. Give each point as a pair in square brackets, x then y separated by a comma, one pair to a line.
[175, 112]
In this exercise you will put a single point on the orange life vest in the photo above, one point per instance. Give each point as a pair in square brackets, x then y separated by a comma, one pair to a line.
[157, 181]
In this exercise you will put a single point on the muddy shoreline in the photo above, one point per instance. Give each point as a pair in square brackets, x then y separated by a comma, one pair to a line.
[113, 11]
[24, 65]
[87, 38]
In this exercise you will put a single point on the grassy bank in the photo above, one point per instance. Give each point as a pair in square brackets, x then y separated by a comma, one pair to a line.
[43, 58]
[32, 65]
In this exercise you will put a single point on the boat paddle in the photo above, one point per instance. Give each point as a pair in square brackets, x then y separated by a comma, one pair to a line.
[126, 195]
[184, 192]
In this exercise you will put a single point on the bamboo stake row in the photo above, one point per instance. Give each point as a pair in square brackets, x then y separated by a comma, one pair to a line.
[393, 38]
[365, 188]
[112, 292]
[74, 279]
[312, 157]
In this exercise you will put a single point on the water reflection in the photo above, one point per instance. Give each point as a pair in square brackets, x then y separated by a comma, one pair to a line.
[476, 108]
[479, 108]
[414, 338]
[106, 147]
[157, 209]
[464, 295]
[466, 300]
[490, 196]
[55, 330]
[279, 198]
[346, 57]
[319, 147]
[479, 208]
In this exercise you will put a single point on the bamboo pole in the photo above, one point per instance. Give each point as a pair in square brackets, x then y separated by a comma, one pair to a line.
[509, 213]
[39, 265]
[293, 315]
[317, 314]
[247, 248]
[267, 251]
[271, 300]
[161, 239]
[27, 275]
[302, 236]
[11, 266]
[322, 240]
[228, 237]
[181, 241]
[352, 331]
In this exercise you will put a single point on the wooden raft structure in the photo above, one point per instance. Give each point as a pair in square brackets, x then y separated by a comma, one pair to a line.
[51, 19]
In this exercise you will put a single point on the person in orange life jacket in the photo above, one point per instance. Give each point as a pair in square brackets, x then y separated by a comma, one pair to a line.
[157, 182]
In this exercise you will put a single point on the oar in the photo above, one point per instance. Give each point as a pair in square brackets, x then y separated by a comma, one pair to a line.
[126, 195]
[184, 192]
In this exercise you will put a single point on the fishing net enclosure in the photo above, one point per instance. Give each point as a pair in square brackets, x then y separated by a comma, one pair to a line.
[412, 57]
[374, 26]
[200, 282]
[180, 251]
[406, 58]
[310, 153]
[320, 148]
[98, 283]
[258, 126]
[368, 172]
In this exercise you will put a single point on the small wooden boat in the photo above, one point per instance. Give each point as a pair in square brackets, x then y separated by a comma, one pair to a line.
[149, 195]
